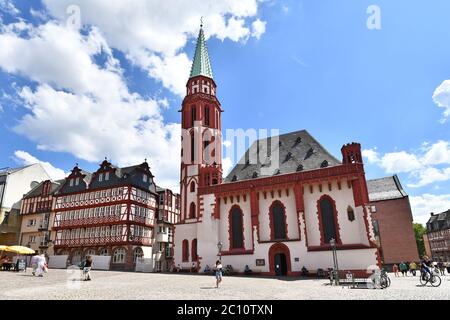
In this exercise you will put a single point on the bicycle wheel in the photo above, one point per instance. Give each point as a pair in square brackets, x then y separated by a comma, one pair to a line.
[423, 279]
[383, 283]
[435, 281]
[388, 280]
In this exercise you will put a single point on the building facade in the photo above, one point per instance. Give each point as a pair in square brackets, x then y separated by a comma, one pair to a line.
[392, 220]
[38, 215]
[167, 216]
[437, 237]
[276, 215]
[111, 212]
[14, 183]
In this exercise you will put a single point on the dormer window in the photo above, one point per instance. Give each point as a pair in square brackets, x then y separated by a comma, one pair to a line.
[255, 175]
[100, 177]
[324, 164]
[234, 178]
[300, 168]
[77, 181]
[106, 176]
[71, 183]
[145, 178]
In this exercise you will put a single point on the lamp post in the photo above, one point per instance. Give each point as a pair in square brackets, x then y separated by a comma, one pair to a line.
[335, 261]
[219, 247]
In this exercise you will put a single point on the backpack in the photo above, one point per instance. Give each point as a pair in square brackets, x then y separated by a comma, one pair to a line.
[82, 264]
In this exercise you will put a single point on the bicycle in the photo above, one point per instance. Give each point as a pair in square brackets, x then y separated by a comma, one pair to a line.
[385, 281]
[433, 279]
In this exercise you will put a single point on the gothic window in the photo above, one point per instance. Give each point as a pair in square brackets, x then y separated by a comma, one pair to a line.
[237, 228]
[350, 214]
[194, 250]
[192, 210]
[119, 255]
[192, 186]
[137, 253]
[193, 116]
[327, 215]
[278, 221]
[207, 116]
[185, 250]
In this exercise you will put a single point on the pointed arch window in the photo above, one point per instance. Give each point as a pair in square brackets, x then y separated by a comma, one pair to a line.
[278, 224]
[236, 225]
[192, 210]
[328, 220]
[192, 148]
[192, 186]
[193, 115]
[194, 250]
[207, 118]
[185, 250]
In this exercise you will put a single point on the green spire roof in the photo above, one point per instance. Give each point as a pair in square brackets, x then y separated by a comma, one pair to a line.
[201, 65]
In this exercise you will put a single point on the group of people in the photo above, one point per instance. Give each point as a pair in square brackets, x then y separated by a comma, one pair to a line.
[426, 265]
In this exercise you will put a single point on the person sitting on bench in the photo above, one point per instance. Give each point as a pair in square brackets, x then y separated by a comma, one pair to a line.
[247, 270]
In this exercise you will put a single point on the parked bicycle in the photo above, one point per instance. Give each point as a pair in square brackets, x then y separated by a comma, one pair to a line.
[432, 278]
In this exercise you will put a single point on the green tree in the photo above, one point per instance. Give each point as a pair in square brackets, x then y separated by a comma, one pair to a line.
[419, 231]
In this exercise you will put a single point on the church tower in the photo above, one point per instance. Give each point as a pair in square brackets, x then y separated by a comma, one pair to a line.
[201, 153]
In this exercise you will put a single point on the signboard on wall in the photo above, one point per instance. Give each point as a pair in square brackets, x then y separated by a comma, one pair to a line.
[260, 262]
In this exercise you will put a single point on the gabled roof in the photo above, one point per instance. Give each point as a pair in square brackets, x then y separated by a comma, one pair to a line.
[439, 221]
[5, 171]
[298, 151]
[37, 191]
[201, 65]
[387, 188]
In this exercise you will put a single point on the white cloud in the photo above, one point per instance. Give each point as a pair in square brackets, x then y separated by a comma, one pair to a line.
[441, 97]
[227, 165]
[152, 34]
[423, 205]
[24, 158]
[430, 164]
[258, 28]
[8, 7]
[85, 109]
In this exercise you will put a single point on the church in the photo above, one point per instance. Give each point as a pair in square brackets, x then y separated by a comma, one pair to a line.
[275, 221]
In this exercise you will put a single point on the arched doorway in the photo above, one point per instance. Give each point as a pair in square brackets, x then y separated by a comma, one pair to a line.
[280, 260]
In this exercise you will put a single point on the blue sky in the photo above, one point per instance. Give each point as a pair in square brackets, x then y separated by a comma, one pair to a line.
[288, 65]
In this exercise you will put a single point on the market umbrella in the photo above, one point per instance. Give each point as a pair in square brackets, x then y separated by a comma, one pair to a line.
[20, 250]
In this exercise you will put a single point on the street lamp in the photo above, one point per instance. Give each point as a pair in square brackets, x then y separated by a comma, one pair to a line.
[219, 247]
[335, 261]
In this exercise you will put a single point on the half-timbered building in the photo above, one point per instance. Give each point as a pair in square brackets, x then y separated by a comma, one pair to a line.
[111, 212]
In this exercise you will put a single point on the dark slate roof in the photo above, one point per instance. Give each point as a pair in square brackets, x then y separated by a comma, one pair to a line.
[37, 191]
[439, 221]
[387, 188]
[298, 151]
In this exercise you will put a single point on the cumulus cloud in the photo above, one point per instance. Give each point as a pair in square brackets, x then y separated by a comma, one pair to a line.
[152, 34]
[24, 158]
[424, 204]
[85, 109]
[441, 97]
[80, 106]
[430, 164]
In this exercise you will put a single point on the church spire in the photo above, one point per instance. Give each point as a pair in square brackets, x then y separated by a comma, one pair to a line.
[201, 65]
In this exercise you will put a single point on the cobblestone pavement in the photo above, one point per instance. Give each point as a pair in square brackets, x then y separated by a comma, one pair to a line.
[66, 284]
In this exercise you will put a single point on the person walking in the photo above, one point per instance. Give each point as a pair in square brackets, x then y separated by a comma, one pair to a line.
[218, 269]
[395, 269]
[403, 268]
[41, 265]
[412, 268]
[87, 268]
[34, 263]
[441, 268]
[447, 265]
